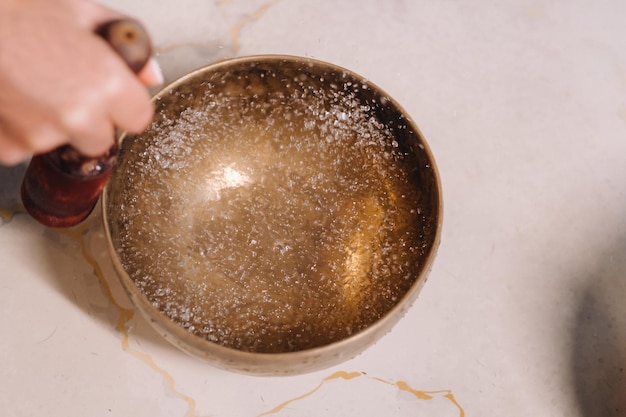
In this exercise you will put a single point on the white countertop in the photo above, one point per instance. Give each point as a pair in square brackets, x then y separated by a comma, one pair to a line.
[524, 107]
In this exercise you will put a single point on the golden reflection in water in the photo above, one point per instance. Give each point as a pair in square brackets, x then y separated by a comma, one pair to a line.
[362, 245]
[222, 179]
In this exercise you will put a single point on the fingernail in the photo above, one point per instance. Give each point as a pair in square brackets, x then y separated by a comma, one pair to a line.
[151, 74]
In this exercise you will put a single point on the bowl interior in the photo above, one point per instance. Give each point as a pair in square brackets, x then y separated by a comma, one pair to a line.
[274, 205]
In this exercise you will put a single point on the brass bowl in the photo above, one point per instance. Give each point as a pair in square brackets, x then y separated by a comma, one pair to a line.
[279, 215]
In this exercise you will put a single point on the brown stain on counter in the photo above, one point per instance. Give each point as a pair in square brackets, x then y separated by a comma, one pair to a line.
[336, 375]
[7, 213]
[172, 47]
[428, 395]
[400, 385]
[235, 31]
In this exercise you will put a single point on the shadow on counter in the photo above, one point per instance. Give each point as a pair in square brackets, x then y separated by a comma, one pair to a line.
[11, 181]
[599, 339]
[63, 262]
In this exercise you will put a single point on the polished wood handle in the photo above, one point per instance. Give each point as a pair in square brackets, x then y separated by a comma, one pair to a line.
[130, 40]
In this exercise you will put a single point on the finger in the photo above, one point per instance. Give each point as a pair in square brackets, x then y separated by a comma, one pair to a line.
[130, 106]
[92, 134]
[11, 153]
[91, 15]
[44, 138]
[35, 133]
[131, 109]
[151, 74]
[34, 138]
[114, 97]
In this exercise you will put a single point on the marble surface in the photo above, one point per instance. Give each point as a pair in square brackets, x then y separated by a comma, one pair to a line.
[524, 107]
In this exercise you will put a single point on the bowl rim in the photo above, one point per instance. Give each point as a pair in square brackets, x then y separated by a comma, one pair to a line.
[287, 363]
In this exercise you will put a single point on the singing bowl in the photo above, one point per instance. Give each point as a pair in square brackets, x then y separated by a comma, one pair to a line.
[279, 216]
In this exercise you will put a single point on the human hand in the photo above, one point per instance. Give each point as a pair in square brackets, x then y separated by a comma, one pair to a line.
[60, 83]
